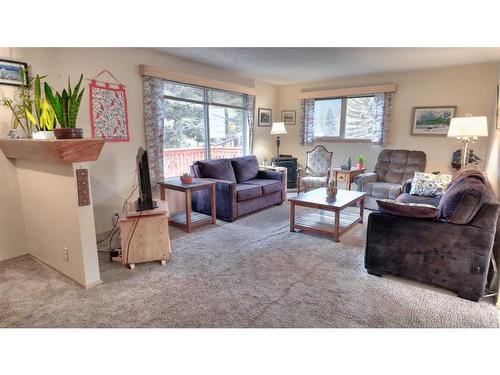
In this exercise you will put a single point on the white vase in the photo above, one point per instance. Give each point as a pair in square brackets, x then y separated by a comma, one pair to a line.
[43, 135]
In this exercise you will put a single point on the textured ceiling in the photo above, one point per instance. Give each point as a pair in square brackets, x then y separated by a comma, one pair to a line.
[283, 66]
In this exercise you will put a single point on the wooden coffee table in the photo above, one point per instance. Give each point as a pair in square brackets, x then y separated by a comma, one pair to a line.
[188, 219]
[333, 218]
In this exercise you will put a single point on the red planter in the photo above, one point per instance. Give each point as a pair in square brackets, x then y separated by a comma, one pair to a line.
[68, 133]
[360, 165]
[187, 179]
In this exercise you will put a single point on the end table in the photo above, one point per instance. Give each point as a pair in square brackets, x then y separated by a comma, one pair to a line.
[346, 176]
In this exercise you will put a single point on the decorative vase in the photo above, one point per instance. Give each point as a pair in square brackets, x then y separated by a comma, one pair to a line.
[360, 165]
[43, 135]
[331, 192]
[187, 179]
[68, 133]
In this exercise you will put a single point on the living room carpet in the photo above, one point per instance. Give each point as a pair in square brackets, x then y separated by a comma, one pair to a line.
[249, 273]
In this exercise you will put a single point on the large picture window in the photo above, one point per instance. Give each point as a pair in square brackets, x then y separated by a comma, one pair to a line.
[344, 118]
[202, 123]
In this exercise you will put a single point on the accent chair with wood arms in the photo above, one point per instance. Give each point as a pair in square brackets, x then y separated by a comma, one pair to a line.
[317, 171]
[393, 169]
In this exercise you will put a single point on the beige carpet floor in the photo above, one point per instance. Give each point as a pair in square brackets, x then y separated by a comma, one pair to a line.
[249, 273]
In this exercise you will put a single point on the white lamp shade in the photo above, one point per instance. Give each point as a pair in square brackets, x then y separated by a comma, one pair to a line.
[468, 127]
[278, 128]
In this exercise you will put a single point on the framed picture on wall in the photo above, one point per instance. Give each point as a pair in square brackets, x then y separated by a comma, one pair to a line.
[265, 116]
[288, 117]
[10, 72]
[432, 120]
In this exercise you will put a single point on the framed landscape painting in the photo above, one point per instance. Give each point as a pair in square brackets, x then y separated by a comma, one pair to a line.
[265, 116]
[288, 117]
[432, 120]
[10, 72]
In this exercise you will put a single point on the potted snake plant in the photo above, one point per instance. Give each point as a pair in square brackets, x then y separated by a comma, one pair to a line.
[66, 105]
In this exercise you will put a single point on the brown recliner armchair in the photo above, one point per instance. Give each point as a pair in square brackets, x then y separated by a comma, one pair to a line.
[393, 169]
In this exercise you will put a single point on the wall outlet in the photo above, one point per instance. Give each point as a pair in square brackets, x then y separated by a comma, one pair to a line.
[65, 253]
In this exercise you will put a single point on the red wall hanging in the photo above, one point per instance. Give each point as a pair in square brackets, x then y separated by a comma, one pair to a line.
[108, 110]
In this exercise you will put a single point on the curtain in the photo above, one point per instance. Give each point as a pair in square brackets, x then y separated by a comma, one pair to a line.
[383, 108]
[250, 107]
[154, 113]
[307, 122]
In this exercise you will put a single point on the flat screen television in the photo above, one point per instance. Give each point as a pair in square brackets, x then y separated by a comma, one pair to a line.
[145, 201]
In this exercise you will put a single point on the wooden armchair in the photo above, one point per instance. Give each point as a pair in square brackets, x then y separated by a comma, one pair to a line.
[317, 171]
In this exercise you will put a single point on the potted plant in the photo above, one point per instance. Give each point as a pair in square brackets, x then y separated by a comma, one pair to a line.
[22, 107]
[44, 113]
[361, 162]
[331, 190]
[66, 106]
[186, 178]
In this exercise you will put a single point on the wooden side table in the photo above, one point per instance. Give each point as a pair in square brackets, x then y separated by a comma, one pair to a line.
[187, 220]
[346, 177]
[278, 169]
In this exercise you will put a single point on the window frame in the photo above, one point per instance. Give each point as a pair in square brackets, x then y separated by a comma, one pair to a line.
[343, 119]
[206, 103]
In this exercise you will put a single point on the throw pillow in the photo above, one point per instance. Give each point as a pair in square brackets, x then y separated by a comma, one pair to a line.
[245, 168]
[414, 210]
[218, 169]
[429, 185]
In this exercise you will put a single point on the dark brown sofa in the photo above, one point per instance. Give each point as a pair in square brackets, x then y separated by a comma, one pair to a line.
[241, 187]
[452, 251]
[393, 169]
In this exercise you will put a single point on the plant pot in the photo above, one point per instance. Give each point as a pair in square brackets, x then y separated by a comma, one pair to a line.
[43, 135]
[360, 166]
[331, 192]
[187, 179]
[68, 133]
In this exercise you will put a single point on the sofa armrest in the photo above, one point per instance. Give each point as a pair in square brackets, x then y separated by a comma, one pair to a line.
[362, 179]
[406, 187]
[225, 197]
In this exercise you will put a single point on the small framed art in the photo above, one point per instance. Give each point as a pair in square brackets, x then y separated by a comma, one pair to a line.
[432, 120]
[10, 72]
[288, 117]
[265, 116]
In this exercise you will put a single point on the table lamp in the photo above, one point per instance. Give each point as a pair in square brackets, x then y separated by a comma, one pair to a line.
[466, 130]
[277, 130]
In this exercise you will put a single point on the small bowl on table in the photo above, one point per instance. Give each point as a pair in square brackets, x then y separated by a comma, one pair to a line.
[186, 180]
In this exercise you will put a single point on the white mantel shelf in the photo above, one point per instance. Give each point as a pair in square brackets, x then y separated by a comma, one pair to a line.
[65, 151]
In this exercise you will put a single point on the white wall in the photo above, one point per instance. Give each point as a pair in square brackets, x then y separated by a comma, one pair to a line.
[471, 88]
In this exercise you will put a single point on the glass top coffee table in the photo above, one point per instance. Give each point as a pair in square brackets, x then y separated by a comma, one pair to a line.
[331, 217]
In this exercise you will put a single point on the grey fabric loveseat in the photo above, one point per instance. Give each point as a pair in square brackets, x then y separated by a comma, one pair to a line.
[452, 251]
[241, 187]
[393, 169]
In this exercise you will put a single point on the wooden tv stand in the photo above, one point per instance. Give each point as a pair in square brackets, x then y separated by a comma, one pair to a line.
[150, 240]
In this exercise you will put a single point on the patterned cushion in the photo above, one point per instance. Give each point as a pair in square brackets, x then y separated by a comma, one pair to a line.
[318, 161]
[415, 210]
[429, 185]
[311, 182]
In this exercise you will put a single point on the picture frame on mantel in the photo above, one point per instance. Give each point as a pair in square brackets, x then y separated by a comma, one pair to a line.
[432, 120]
[265, 116]
[10, 72]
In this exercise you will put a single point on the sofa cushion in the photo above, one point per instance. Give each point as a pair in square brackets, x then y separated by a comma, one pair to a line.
[267, 186]
[429, 185]
[462, 200]
[247, 191]
[245, 168]
[219, 169]
[415, 210]
[408, 198]
[383, 190]
[397, 166]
